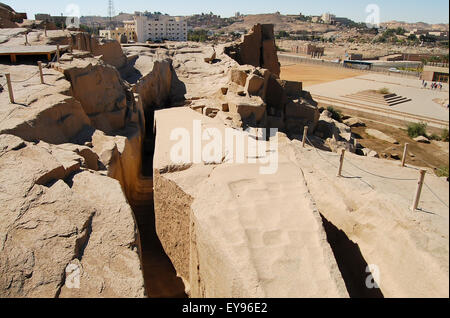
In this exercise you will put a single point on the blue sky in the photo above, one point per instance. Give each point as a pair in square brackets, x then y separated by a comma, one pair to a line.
[435, 11]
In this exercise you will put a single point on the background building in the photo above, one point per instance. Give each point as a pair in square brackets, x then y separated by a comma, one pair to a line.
[57, 20]
[160, 27]
[328, 18]
[435, 72]
[122, 35]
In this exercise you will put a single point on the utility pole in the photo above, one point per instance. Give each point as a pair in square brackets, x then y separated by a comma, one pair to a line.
[111, 13]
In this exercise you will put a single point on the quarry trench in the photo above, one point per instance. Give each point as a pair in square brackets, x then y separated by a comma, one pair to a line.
[160, 277]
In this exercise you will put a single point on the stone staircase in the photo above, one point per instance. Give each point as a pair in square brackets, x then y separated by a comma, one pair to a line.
[374, 97]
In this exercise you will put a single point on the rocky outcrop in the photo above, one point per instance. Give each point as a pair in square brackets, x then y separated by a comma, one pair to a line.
[43, 112]
[55, 119]
[102, 93]
[155, 88]
[104, 160]
[62, 224]
[10, 18]
[257, 48]
[109, 51]
[336, 135]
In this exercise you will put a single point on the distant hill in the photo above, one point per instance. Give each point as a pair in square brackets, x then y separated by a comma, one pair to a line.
[104, 21]
[289, 23]
[418, 25]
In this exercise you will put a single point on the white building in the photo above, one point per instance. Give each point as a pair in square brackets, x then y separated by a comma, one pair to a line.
[160, 27]
[328, 18]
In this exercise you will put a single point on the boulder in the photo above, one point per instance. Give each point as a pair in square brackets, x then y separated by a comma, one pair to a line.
[422, 139]
[57, 219]
[299, 114]
[336, 134]
[246, 106]
[381, 136]
[110, 51]
[238, 76]
[354, 122]
[99, 88]
[370, 153]
[292, 89]
[254, 85]
[276, 97]
[257, 48]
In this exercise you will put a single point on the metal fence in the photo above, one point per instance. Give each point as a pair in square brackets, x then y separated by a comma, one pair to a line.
[374, 69]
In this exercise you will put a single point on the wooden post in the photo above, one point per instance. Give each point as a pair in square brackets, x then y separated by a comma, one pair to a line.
[57, 53]
[341, 163]
[419, 190]
[40, 72]
[305, 133]
[26, 39]
[45, 30]
[405, 153]
[70, 44]
[10, 90]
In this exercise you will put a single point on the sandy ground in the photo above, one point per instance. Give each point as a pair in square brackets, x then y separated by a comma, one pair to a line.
[315, 74]
[433, 155]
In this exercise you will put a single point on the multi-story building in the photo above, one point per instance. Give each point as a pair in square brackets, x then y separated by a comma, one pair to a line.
[130, 26]
[160, 27]
[120, 34]
[328, 18]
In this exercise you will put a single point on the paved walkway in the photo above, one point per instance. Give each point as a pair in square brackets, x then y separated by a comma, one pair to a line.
[421, 103]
